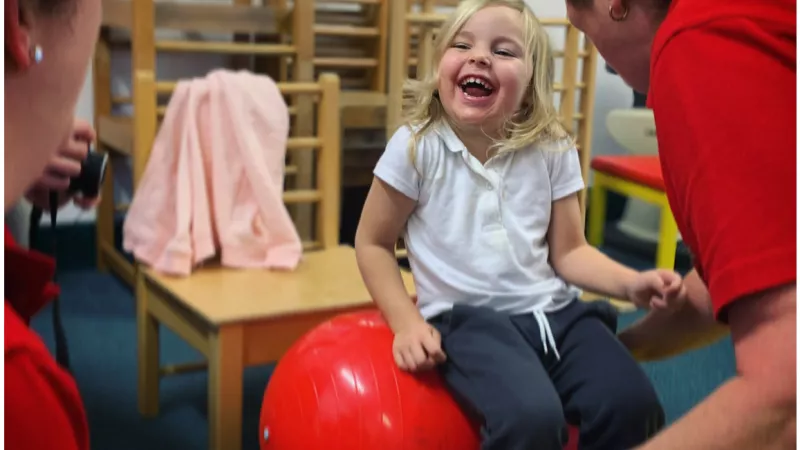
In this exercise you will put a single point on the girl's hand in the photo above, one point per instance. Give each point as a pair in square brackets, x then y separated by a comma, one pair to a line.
[418, 347]
[657, 289]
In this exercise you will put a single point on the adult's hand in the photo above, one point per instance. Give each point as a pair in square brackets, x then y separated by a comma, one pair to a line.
[65, 165]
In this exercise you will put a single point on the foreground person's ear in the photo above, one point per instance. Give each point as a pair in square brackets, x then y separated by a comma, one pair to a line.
[20, 51]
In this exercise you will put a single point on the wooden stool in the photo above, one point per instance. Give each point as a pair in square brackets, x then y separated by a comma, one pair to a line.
[632, 176]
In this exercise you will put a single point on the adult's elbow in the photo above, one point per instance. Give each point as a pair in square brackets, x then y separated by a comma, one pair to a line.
[784, 408]
[763, 330]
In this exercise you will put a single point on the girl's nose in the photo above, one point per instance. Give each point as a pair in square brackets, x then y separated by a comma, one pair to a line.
[479, 59]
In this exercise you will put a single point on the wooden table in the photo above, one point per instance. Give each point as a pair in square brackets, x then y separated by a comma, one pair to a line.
[240, 318]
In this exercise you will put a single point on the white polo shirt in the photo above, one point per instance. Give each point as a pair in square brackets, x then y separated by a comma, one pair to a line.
[478, 235]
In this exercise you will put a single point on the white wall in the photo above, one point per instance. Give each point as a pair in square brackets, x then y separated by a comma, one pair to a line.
[611, 93]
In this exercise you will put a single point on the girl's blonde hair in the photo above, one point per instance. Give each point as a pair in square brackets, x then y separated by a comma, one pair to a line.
[536, 121]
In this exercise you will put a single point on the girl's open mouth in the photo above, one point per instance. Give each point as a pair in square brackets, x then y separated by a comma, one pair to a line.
[475, 86]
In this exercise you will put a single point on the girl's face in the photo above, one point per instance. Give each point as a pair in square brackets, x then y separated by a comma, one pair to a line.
[485, 72]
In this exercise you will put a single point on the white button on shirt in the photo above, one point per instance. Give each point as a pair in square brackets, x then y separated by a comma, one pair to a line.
[478, 235]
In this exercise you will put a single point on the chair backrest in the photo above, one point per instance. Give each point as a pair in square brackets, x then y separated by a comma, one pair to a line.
[315, 132]
[413, 27]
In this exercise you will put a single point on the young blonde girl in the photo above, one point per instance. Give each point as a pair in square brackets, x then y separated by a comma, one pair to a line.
[482, 181]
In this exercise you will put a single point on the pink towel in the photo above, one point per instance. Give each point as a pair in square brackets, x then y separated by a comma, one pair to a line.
[214, 180]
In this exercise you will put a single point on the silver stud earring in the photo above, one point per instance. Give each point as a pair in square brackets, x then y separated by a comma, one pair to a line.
[36, 54]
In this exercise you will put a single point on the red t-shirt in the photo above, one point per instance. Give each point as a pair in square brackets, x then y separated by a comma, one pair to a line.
[722, 90]
[43, 409]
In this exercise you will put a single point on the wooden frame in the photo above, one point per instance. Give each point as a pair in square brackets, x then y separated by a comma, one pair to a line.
[235, 318]
[132, 137]
[240, 318]
[350, 37]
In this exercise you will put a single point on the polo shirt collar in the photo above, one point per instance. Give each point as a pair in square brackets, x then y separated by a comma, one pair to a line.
[451, 140]
[28, 278]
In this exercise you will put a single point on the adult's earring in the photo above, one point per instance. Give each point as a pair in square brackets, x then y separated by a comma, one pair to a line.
[617, 18]
[36, 54]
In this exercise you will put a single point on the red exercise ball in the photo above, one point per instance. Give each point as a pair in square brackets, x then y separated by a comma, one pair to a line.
[338, 388]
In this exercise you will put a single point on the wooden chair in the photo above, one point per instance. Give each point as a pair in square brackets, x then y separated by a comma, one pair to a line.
[350, 38]
[235, 318]
[241, 318]
[132, 26]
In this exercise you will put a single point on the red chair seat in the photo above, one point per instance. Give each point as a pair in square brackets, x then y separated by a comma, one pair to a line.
[644, 170]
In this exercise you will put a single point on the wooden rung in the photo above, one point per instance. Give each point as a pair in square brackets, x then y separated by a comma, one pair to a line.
[295, 143]
[302, 196]
[211, 18]
[178, 369]
[346, 30]
[193, 16]
[423, 18]
[225, 47]
[558, 87]
[346, 62]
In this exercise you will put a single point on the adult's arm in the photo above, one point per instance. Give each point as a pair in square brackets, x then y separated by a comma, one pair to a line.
[756, 408]
[723, 95]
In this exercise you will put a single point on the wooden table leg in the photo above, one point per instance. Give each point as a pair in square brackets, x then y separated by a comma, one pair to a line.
[225, 372]
[148, 358]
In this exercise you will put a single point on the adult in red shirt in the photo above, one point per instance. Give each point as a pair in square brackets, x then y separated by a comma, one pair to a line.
[48, 47]
[720, 77]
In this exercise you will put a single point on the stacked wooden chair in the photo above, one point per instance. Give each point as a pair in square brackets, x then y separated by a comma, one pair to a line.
[234, 318]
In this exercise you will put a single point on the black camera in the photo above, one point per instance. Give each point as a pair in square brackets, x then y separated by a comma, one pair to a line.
[93, 172]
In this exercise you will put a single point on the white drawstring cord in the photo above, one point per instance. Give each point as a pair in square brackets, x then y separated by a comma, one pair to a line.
[545, 332]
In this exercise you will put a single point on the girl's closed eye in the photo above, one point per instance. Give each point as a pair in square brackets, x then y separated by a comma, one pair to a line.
[507, 53]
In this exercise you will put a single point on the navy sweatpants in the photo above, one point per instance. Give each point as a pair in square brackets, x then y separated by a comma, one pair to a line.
[497, 369]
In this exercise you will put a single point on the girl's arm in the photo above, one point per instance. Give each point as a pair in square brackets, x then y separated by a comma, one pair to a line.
[384, 216]
[661, 334]
[579, 263]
